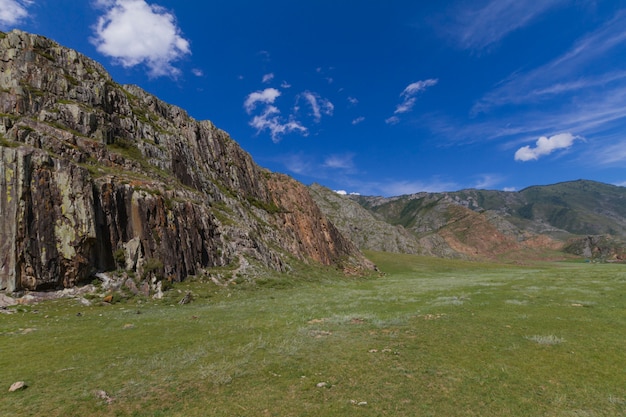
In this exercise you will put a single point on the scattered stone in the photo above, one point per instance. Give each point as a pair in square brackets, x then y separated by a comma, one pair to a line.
[102, 395]
[373, 351]
[186, 299]
[322, 385]
[128, 326]
[84, 301]
[16, 386]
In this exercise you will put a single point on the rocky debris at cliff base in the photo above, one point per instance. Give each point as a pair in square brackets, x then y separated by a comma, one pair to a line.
[6, 301]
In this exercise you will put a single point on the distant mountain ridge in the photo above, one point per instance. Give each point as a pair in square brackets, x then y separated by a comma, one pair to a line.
[490, 224]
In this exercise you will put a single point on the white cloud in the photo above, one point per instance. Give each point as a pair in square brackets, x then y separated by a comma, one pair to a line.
[197, 72]
[267, 78]
[134, 32]
[358, 120]
[409, 97]
[267, 96]
[545, 146]
[341, 192]
[480, 27]
[353, 101]
[285, 84]
[318, 105]
[13, 12]
[509, 189]
[271, 120]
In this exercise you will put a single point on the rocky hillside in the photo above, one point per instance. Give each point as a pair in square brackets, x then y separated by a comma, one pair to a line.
[568, 216]
[96, 176]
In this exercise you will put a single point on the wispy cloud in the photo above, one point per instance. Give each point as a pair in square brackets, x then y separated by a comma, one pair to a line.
[267, 78]
[409, 97]
[613, 154]
[574, 71]
[345, 161]
[358, 120]
[486, 181]
[478, 27]
[13, 12]
[545, 146]
[582, 92]
[134, 32]
[319, 105]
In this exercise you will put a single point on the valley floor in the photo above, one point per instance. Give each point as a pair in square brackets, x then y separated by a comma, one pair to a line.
[430, 337]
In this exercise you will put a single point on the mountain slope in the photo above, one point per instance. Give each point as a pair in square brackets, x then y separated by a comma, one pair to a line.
[96, 176]
[494, 224]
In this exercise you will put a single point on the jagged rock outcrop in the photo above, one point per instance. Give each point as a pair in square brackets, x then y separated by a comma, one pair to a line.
[96, 176]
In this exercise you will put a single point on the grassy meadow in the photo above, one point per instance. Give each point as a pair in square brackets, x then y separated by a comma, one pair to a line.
[430, 337]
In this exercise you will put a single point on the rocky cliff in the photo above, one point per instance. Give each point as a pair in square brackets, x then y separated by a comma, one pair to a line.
[96, 176]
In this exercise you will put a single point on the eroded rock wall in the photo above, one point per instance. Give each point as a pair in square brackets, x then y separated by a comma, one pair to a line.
[96, 176]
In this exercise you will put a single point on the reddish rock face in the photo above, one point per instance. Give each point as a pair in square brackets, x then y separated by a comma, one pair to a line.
[95, 176]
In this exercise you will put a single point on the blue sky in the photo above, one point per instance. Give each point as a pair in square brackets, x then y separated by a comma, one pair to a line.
[376, 97]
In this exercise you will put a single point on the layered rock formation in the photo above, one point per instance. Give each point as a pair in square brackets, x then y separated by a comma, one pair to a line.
[96, 176]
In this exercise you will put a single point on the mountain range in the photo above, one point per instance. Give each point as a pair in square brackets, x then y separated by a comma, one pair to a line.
[583, 218]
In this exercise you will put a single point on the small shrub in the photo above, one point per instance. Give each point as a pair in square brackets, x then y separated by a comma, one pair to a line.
[120, 257]
[153, 267]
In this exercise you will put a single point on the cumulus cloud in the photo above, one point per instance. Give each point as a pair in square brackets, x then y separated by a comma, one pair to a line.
[13, 12]
[270, 118]
[545, 146]
[267, 96]
[353, 101]
[134, 32]
[409, 97]
[358, 120]
[267, 78]
[319, 106]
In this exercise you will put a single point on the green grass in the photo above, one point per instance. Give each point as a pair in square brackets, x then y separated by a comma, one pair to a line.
[431, 337]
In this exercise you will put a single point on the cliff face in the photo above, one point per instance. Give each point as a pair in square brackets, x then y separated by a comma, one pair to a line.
[96, 176]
